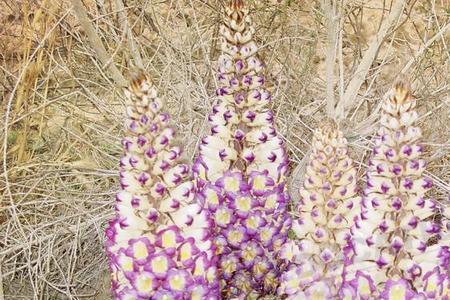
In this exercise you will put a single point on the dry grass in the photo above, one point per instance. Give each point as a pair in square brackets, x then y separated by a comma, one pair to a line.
[63, 110]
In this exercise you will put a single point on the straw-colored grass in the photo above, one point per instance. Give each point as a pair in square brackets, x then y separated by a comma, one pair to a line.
[63, 106]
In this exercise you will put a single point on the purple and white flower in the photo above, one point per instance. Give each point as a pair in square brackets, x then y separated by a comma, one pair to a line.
[395, 244]
[326, 210]
[159, 243]
[240, 172]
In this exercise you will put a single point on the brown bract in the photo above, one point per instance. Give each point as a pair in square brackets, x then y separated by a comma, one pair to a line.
[402, 92]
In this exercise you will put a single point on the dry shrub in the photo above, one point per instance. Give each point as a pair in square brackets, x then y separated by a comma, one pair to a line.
[63, 109]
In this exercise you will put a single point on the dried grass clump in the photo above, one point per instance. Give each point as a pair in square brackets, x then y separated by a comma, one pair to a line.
[63, 106]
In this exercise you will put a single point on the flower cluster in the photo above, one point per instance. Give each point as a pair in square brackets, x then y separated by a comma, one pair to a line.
[396, 255]
[223, 232]
[327, 209]
[241, 168]
[158, 244]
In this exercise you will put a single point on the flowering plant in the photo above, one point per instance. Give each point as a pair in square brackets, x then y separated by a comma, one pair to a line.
[241, 168]
[396, 250]
[223, 231]
[158, 244]
[327, 209]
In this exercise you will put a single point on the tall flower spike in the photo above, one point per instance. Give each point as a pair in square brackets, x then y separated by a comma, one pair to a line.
[241, 169]
[158, 244]
[395, 251]
[327, 210]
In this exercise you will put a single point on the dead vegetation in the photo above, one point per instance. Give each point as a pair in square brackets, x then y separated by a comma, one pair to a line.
[62, 105]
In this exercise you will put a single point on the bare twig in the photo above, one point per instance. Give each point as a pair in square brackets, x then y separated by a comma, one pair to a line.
[126, 28]
[329, 9]
[96, 43]
[2, 297]
[298, 177]
[369, 56]
[340, 58]
[422, 49]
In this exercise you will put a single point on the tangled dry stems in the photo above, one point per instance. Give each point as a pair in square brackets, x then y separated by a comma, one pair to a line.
[63, 111]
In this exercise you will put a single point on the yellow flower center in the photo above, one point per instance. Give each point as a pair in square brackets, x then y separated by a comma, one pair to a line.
[185, 252]
[229, 266]
[144, 284]
[306, 275]
[159, 265]
[197, 294]
[177, 282]
[271, 202]
[223, 217]
[348, 297]
[140, 250]
[431, 286]
[270, 280]
[212, 197]
[235, 236]
[127, 264]
[232, 184]
[252, 223]
[259, 268]
[397, 293]
[266, 234]
[168, 239]
[259, 183]
[248, 254]
[318, 295]
[199, 268]
[289, 254]
[211, 275]
[243, 204]
[363, 286]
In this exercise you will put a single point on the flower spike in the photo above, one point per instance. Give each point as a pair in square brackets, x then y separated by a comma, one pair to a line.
[395, 242]
[241, 168]
[327, 209]
[159, 243]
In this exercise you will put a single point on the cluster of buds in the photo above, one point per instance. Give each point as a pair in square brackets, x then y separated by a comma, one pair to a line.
[241, 168]
[159, 243]
[326, 211]
[397, 253]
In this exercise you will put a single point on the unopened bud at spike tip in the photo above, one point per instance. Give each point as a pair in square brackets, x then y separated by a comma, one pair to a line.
[137, 79]
[402, 91]
[236, 4]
